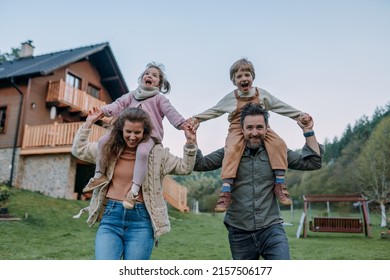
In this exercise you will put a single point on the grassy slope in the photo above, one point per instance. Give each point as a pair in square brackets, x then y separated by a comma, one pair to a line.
[49, 232]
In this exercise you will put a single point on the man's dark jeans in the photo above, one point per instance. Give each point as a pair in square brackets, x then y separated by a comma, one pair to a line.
[270, 243]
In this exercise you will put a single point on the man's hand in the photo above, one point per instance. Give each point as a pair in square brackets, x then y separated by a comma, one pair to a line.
[305, 121]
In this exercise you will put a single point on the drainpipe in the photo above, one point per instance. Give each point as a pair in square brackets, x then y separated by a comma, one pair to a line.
[17, 131]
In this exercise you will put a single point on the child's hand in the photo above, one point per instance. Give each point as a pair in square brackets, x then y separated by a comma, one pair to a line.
[186, 126]
[194, 123]
[94, 115]
[305, 121]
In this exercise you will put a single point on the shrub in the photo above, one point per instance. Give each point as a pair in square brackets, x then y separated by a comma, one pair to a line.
[5, 195]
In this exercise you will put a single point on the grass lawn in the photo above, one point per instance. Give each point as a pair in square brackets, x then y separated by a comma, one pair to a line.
[47, 231]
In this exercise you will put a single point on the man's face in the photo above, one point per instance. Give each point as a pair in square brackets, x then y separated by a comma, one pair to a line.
[254, 130]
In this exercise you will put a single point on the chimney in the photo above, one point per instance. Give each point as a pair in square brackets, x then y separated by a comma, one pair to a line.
[27, 49]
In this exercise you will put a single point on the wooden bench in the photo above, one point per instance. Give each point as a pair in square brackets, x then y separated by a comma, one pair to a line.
[337, 224]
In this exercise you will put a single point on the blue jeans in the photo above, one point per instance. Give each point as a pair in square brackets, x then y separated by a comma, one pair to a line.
[270, 243]
[124, 233]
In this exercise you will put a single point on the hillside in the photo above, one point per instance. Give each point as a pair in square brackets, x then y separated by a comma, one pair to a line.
[47, 231]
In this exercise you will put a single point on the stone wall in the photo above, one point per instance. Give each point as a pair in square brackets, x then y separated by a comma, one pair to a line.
[5, 165]
[51, 174]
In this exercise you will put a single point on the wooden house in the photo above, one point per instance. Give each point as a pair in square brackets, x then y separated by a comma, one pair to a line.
[43, 101]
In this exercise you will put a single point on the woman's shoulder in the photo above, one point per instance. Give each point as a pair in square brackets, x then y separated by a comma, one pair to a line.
[159, 148]
[159, 154]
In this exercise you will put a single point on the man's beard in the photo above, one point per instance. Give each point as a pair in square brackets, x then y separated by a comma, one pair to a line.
[255, 145]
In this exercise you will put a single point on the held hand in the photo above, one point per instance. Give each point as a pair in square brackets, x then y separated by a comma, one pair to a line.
[305, 121]
[190, 136]
[194, 123]
[304, 118]
[186, 125]
[94, 115]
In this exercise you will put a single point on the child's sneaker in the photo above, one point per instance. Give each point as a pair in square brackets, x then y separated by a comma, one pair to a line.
[130, 200]
[95, 183]
[223, 202]
[282, 194]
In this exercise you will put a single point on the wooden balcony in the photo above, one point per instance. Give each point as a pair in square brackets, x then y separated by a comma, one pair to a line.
[58, 138]
[54, 138]
[61, 94]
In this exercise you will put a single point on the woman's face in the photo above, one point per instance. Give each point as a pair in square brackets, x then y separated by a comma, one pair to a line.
[133, 133]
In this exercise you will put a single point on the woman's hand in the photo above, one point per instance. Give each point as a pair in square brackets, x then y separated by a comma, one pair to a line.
[190, 136]
[94, 115]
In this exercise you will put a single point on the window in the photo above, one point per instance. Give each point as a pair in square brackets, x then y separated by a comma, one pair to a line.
[73, 81]
[94, 91]
[3, 111]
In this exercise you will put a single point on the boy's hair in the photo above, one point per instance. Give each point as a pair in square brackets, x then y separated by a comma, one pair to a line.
[164, 86]
[253, 109]
[243, 63]
[115, 143]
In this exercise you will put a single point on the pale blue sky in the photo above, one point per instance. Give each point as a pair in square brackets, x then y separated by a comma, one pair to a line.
[330, 58]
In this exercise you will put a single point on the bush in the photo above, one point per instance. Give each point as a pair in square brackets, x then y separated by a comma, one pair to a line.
[5, 195]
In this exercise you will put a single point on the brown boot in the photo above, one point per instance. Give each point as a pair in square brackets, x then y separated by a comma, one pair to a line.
[130, 200]
[95, 183]
[281, 193]
[223, 202]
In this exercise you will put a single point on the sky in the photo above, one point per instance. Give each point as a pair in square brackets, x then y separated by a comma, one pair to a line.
[330, 58]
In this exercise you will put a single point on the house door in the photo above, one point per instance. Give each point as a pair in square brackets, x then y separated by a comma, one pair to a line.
[84, 172]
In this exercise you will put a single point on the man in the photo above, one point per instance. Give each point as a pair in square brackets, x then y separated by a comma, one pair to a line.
[253, 219]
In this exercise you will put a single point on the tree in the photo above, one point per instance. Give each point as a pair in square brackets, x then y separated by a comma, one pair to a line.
[373, 167]
[13, 54]
[200, 184]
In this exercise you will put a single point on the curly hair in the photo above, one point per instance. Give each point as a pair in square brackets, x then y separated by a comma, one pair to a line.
[115, 144]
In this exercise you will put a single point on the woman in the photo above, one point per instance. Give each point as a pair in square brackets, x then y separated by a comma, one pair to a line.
[130, 233]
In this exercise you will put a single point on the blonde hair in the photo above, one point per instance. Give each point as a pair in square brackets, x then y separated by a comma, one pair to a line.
[164, 86]
[243, 64]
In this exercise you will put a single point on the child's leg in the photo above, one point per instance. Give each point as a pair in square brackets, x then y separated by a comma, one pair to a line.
[277, 153]
[234, 147]
[140, 169]
[99, 177]
[141, 164]
[100, 168]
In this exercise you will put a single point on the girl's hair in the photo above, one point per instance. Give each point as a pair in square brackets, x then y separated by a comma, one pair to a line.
[244, 64]
[115, 144]
[164, 86]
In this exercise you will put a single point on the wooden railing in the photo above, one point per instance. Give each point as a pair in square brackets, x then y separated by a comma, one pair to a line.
[76, 99]
[175, 194]
[62, 134]
[55, 135]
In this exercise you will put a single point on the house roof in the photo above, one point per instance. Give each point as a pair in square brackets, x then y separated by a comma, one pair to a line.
[100, 55]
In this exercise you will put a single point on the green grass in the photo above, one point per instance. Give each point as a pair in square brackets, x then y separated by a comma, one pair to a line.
[47, 231]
